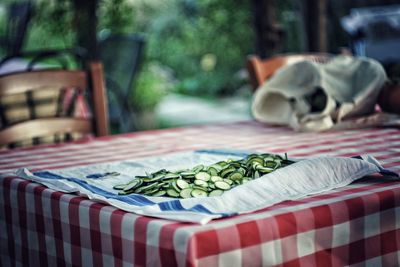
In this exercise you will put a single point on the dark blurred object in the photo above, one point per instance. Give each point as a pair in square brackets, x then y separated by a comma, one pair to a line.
[121, 56]
[375, 32]
[19, 15]
[389, 98]
[269, 34]
[315, 22]
[85, 24]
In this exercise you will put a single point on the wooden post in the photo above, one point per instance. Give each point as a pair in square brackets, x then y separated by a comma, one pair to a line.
[85, 20]
[268, 32]
[99, 98]
[315, 24]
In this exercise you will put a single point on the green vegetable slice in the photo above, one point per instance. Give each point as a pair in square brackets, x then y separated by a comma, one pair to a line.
[145, 188]
[228, 181]
[188, 174]
[227, 171]
[215, 193]
[212, 171]
[201, 183]
[150, 192]
[256, 175]
[159, 193]
[198, 168]
[222, 185]
[186, 193]
[182, 184]
[236, 176]
[175, 186]
[203, 176]
[216, 178]
[172, 193]
[198, 193]
[171, 176]
[133, 184]
[119, 186]
[271, 164]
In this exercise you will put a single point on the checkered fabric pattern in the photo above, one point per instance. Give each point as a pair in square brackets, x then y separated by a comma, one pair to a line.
[357, 225]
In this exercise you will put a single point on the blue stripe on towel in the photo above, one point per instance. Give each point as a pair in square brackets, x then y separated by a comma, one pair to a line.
[132, 199]
[176, 205]
[171, 205]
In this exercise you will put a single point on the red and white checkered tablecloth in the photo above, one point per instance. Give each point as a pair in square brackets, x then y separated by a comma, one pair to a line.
[357, 225]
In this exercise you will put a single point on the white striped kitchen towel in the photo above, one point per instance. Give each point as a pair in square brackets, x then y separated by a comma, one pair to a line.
[305, 177]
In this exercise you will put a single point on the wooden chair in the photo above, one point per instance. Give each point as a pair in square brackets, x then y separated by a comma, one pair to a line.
[27, 83]
[261, 70]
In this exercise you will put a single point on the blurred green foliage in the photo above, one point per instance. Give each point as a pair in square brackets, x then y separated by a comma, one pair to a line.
[205, 42]
[201, 43]
[152, 84]
[52, 25]
[118, 16]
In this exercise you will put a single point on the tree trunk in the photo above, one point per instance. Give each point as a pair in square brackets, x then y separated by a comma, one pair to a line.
[315, 24]
[267, 31]
[86, 26]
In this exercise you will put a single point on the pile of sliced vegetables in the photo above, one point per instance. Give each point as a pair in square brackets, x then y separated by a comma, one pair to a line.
[203, 181]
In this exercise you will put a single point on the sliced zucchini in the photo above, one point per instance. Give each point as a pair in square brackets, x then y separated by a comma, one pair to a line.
[216, 178]
[159, 193]
[172, 193]
[212, 171]
[203, 180]
[119, 186]
[182, 184]
[201, 183]
[198, 168]
[227, 171]
[133, 184]
[216, 193]
[222, 185]
[186, 193]
[203, 176]
[198, 193]
[236, 176]
[228, 181]
[175, 186]
[188, 174]
[171, 176]
[271, 164]
[146, 188]
[150, 192]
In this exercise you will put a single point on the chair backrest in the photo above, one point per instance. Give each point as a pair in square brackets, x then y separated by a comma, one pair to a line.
[19, 15]
[261, 70]
[121, 56]
[29, 83]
